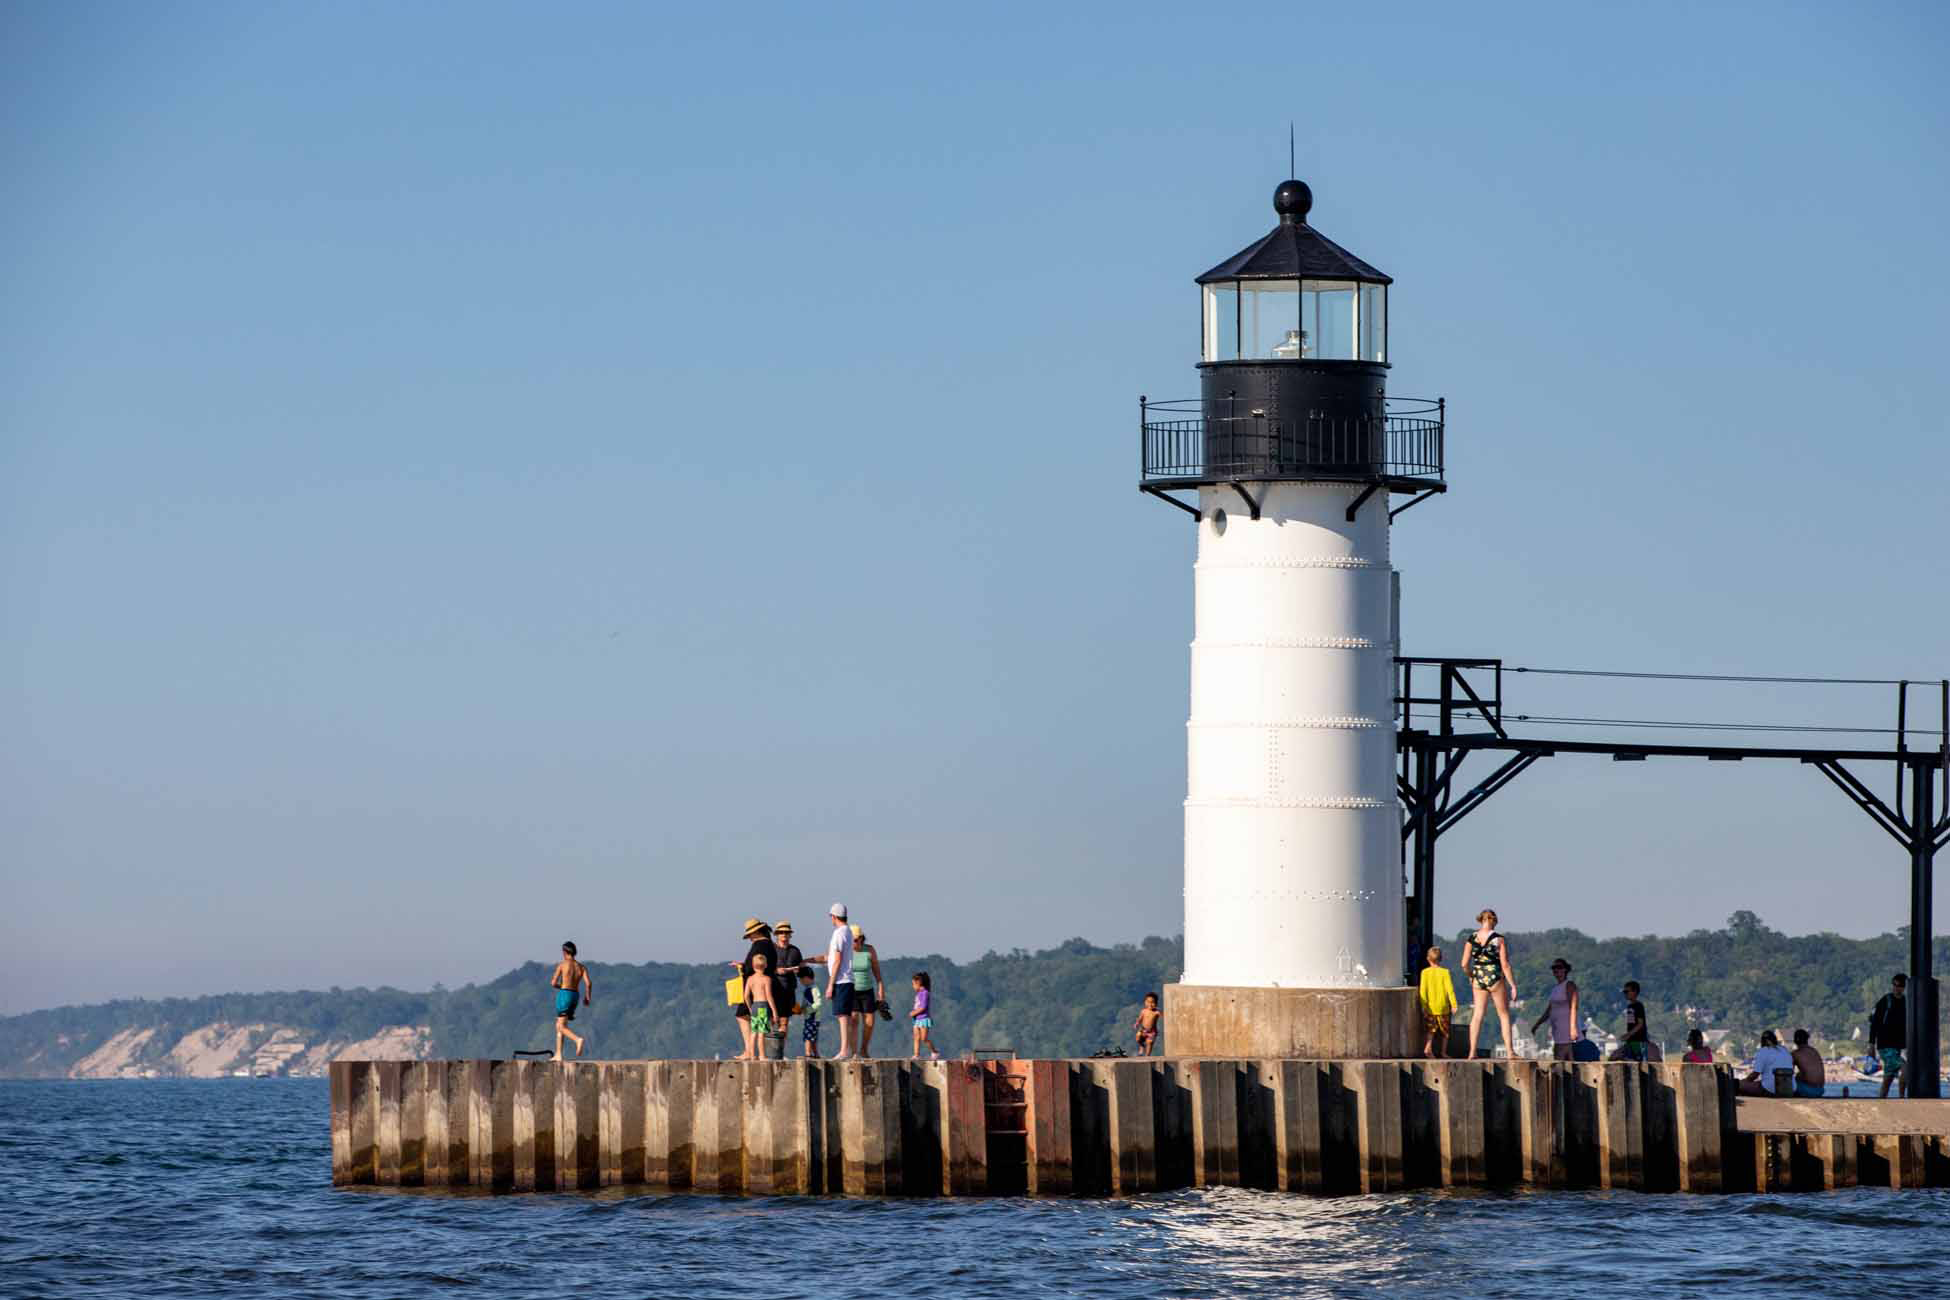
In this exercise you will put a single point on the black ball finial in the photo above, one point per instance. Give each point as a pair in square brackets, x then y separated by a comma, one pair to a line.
[1293, 201]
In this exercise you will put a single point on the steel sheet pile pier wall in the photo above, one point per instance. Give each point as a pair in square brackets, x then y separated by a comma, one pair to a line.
[1292, 854]
[1117, 1127]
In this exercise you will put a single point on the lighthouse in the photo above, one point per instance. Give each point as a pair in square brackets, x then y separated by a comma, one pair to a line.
[1293, 461]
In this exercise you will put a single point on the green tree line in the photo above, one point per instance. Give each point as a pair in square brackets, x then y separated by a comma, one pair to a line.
[1069, 1000]
[1745, 976]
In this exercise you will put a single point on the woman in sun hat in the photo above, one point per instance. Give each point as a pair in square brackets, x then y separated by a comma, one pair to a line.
[785, 974]
[760, 936]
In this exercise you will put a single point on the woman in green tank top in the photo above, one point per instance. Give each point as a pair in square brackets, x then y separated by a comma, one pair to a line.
[866, 987]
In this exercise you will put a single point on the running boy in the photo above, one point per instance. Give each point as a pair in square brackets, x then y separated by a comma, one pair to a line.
[1437, 997]
[1634, 1045]
[762, 1005]
[1146, 1025]
[920, 1015]
[571, 984]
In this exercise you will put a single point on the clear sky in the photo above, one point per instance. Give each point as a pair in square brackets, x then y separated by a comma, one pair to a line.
[474, 475]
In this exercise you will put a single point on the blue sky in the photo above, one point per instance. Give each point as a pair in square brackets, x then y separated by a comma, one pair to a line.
[474, 475]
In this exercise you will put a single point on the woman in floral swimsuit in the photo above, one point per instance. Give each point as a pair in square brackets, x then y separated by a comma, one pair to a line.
[1486, 958]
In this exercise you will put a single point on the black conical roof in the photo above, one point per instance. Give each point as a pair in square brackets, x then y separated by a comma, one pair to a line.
[1293, 249]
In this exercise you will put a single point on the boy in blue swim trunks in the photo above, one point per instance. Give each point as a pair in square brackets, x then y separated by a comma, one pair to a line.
[571, 984]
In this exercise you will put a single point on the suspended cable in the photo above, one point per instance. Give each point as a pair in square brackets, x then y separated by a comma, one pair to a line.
[1715, 726]
[1724, 677]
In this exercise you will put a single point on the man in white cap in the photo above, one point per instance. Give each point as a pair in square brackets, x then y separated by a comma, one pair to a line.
[839, 978]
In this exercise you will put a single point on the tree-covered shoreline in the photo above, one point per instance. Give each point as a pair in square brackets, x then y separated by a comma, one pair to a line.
[1069, 1000]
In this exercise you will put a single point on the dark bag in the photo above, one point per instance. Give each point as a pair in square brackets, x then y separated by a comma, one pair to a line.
[1585, 1050]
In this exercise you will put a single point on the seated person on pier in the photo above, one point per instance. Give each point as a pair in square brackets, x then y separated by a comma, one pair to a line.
[1810, 1075]
[1771, 1057]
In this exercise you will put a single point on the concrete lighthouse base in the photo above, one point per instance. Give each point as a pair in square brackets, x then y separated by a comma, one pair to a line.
[1209, 1020]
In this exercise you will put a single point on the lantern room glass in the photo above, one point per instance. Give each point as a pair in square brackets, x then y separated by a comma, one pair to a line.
[1295, 320]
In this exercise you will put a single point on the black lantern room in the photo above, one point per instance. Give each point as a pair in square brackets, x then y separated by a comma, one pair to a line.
[1293, 369]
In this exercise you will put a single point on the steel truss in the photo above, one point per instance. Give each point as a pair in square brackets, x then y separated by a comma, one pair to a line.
[1433, 754]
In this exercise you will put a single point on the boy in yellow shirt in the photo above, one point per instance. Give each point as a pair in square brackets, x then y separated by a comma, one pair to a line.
[1438, 999]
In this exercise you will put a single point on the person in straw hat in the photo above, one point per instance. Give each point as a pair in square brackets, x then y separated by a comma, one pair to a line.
[785, 975]
[759, 935]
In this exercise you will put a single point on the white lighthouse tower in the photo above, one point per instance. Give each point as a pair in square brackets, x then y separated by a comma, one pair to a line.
[1294, 920]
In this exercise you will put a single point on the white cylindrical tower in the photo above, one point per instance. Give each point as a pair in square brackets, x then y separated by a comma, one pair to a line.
[1294, 919]
[1292, 830]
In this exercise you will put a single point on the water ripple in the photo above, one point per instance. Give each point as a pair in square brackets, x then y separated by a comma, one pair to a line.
[222, 1188]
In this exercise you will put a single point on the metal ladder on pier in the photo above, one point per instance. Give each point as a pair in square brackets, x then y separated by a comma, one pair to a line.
[1005, 1100]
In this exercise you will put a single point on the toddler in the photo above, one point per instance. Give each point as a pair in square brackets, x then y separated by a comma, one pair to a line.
[1146, 1025]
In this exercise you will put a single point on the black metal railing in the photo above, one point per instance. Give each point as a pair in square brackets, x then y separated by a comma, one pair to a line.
[1462, 688]
[1183, 442]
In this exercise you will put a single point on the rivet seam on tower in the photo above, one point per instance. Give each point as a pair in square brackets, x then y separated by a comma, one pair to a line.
[1293, 643]
[1313, 562]
[1338, 803]
[1330, 724]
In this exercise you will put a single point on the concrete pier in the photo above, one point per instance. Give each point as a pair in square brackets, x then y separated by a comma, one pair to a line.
[1107, 1127]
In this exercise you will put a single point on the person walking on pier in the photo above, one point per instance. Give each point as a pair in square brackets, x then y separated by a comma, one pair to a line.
[1889, 1034]
[1562, 1012]
[1633, 1046]
[869, 990]
[838, 960]
[760, 936]
[923, 1016]
[1486, 959]
[1437, 997]
[1696, 1049]
[1145, 1028]
[572, 985]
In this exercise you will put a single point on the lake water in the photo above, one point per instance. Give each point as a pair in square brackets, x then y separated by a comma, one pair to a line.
[223, 1188]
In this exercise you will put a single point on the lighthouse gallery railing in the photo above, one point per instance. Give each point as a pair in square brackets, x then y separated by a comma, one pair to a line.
[1182, 442]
